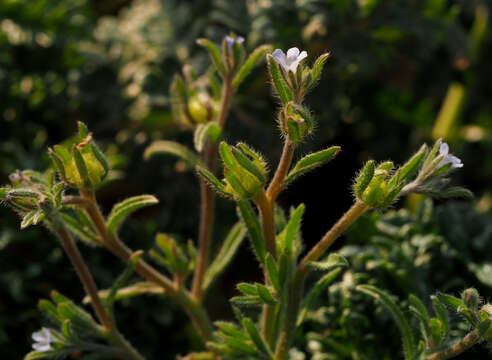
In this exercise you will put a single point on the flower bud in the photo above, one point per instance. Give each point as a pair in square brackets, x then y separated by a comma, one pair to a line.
[233, 53]
[85, 167]
[471, 298]
[244, 171]
[296, 122]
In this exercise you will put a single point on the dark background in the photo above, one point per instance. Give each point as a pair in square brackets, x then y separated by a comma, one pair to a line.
[109, 64]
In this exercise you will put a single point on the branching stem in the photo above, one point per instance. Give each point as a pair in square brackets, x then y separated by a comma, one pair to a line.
[329, 238]
[297, 285]
[196, 313]
[126, 350]
[471, 339]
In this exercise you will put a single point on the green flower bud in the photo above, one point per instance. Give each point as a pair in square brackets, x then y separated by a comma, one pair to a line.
[245, 171]
[296, 122]
[377, 190]
[202, 108]
[471, 298]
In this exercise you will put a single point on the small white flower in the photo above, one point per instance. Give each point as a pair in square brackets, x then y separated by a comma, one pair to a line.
[230, 41]
[448, 158]
[43, 340]
[291, 61]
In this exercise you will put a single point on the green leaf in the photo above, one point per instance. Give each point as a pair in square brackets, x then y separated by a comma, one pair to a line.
[249, 64]
[83, 130]
[254, 228]
[236, 185]
[101, 158]
[79, 229]
[419, 309]
[247, 289]
[123, 209]
[364, 178]
[436, 330]
[247, 300]
[212, 181]
[455, 192]
[231, 329]
[293, 229]
[49, 310]
[451, 301]
[311, 162]
[407, 170]
[81, 167]
[57, 162]
[255, 336]
[317, 68]
[272, 272]
[33, 217]
[248, 165]
[173, 148]
[442, 315]
[127, 292]
[226, 253]
[204, 132]
[214, 54]
[240, 345]
[313, 294]
[122, 280]
[283, 90]
[330, 262]
[409, 347]
[266, 295]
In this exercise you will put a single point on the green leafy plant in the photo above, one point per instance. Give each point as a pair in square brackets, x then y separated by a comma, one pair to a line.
[269, 312]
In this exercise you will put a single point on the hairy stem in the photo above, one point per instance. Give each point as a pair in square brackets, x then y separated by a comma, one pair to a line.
[207, 198]
[329, 238]
[294, 297]
[196, 313]
[126, 350]
[266, 204]
[266, 210]
[277, 182]
[296, 287]
[85, 277]
[454, 350]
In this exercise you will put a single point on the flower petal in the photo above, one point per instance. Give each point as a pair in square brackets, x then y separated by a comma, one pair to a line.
[41, 347]
[302, 55]
[239, 39]
[292, 54]
[279, 57]
[444, 149]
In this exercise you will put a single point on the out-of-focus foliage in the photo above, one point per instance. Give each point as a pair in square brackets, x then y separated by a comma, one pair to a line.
[407, 253]
[110, 63]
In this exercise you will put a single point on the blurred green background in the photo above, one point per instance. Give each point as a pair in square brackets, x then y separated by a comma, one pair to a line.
[402, 72]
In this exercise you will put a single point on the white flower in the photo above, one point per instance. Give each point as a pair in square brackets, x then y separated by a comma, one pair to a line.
[43, 340]
[230, 41]
[448, 158]
[291, 61]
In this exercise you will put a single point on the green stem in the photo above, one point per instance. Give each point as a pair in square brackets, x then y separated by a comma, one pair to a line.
[456, 349]
[196, 313]
[296, 287]
[294, 297]
[329, 238]
[266, 203]
[207, 198]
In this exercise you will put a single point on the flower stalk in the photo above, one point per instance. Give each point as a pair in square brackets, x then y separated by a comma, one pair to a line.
[207, 197]
[196, 313]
